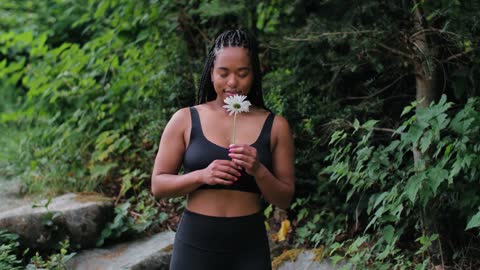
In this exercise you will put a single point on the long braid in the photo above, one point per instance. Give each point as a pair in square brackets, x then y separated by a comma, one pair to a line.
[232, 38]
[206, 85]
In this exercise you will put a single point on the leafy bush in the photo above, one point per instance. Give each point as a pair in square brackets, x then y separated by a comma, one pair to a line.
[56, 261]
[133, 217]
[398, 195]
[8, 251]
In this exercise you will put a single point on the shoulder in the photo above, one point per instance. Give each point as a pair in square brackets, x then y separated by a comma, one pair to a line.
[281, 132]
[181, 114]
[204, 107]
[280, 124]
[180, 118]
[260, 112]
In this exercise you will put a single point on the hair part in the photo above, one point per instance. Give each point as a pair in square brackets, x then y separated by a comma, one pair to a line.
[232, 38]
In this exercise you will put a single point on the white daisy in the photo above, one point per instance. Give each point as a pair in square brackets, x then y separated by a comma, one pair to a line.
[236, 104]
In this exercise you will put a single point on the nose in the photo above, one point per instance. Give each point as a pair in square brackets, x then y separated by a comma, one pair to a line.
[232, 81]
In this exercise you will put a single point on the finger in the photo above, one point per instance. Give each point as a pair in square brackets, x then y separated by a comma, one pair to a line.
[223, 162]
[242, 163]
[238, 148]
[226, 176]
[245, 158]
[234, 156]
[219, 181]
[227, 163]
[231, 169]
[230, 164]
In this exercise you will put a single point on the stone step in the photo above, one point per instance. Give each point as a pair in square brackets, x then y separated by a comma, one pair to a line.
[77, 217]
[307, 260]
[11, 195]
[152, 253]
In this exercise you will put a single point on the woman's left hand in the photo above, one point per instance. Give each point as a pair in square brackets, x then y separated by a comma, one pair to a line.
[245, 156]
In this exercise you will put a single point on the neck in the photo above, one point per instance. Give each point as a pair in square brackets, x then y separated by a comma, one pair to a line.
[217, 106]
[218, 103]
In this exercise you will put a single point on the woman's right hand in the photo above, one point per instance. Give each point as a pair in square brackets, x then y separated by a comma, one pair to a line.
[223, 172]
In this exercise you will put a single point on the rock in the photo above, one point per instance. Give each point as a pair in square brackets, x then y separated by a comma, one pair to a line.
[10, 195]
[306, 260]
[151, 253]
[78, 217]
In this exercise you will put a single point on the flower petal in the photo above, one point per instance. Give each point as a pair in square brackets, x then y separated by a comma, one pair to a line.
[236, 104]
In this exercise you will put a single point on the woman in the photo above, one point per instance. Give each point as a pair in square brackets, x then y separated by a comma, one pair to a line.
[222, 226]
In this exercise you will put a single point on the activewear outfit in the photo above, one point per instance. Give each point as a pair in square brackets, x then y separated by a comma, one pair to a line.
[209, 242]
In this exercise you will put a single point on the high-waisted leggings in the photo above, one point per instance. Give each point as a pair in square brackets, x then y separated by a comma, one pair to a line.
[226, 243]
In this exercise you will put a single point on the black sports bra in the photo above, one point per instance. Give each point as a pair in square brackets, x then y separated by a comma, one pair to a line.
[201, 152]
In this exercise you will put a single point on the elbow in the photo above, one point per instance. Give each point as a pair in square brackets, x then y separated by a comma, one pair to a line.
[152, 190]
[154, 187]
[285, 204]
[289, 197]
[287, 200]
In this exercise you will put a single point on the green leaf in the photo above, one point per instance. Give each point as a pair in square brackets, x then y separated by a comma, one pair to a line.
[102, 170]
[409, 108]
[268, 211]
[101, 9]
[426, 141]
[388, 233]
[380, 199]
[435, 177]
[413, 185]
[337, 136]
[369, 124]
[26, 37]
[474, 221]
[356, 124]
[356, 244]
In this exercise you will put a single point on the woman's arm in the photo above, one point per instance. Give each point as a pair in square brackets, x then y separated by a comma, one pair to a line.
[277, 187]
[165, 181]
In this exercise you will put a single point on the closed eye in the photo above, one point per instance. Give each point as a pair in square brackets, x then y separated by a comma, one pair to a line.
[243, 74]
[223, 74]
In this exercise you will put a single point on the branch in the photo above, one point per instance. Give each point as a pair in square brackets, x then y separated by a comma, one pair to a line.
[378, 92]
[395, 51]
[313, 38]
[435, 30]
[455, 56]
[387, 130]
[350, 124]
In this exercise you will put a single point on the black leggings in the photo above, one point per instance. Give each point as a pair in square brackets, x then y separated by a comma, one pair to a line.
[226, 243]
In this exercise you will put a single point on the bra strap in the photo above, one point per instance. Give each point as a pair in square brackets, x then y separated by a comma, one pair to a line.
[196, 126]
[267, 129]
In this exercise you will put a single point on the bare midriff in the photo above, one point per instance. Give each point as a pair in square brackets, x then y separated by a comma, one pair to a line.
[223, 203]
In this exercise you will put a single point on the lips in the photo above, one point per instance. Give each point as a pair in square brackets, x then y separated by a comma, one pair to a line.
[233, 92]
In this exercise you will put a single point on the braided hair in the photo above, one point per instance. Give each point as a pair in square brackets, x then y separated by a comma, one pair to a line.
[232, 38]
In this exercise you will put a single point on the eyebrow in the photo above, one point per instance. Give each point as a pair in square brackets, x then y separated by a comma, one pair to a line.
[239, 69]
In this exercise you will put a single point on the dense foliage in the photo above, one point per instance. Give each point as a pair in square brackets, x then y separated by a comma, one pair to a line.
[87, 86]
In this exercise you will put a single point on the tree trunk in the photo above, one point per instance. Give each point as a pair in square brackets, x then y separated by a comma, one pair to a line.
[426, 92]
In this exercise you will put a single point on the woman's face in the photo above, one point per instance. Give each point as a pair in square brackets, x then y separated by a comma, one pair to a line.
[232, 72]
